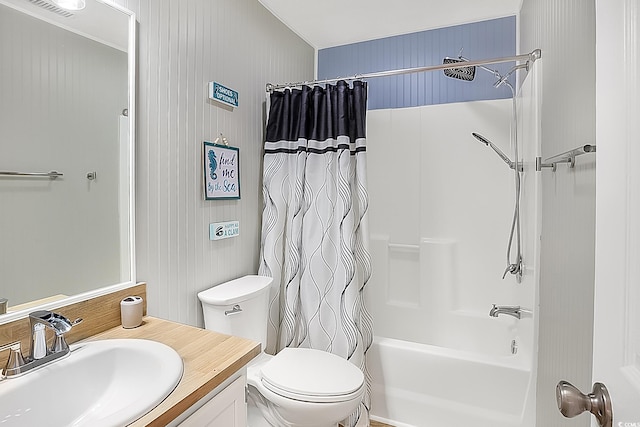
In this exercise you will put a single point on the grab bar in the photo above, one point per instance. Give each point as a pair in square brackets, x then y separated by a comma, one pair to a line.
[52, 174]
[568, 157]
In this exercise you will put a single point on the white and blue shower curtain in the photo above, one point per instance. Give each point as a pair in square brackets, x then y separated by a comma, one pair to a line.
[315, 241]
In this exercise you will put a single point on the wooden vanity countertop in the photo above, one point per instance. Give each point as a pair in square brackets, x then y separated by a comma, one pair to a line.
[209, 359]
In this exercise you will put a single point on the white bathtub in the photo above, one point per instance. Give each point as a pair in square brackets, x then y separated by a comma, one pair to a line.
[428, 386]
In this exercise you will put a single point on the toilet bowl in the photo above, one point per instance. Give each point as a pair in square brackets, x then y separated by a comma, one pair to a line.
[298, 387]
[304, 387]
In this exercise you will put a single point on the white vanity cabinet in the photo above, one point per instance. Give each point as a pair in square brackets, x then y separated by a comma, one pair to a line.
[225, 406]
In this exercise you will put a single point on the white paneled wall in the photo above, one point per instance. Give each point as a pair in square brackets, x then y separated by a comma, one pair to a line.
[182, 46]
[529, 103]
[565, 31]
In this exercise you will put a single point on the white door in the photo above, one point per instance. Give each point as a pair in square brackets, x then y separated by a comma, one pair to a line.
[616, 357]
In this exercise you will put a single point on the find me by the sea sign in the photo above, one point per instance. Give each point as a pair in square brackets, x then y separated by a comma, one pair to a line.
[223, 94]
[221, 172]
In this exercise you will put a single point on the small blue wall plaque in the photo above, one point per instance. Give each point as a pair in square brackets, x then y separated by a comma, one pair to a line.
[223, 94]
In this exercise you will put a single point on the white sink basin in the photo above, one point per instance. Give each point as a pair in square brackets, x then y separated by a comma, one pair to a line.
[101, 383]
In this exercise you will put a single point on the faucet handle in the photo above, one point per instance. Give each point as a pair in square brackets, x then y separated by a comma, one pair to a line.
[60, 343]
[15, 359]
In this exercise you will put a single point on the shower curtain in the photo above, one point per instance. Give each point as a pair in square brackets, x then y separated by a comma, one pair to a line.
[315, 241]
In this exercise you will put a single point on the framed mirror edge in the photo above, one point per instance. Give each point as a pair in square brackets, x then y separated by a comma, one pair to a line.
[20, 314]
[131, 104]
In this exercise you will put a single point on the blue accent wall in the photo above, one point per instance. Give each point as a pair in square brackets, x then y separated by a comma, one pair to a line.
[494, 38]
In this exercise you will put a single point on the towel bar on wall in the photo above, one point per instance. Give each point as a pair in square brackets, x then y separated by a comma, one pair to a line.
[568, 157]
[52, 174]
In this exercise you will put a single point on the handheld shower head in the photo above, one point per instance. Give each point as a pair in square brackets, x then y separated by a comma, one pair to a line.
[499, 152]
[481, 138]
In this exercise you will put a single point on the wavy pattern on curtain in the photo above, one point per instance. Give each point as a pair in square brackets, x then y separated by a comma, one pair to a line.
[315, 241]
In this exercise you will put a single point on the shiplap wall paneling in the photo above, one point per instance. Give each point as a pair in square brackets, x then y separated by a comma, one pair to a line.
[565, 31]
[182, 46]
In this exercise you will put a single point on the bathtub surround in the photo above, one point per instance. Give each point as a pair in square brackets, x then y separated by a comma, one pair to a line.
[314, 223]
[437, 267]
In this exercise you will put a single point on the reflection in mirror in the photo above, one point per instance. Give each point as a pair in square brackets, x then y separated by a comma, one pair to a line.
[64, 85]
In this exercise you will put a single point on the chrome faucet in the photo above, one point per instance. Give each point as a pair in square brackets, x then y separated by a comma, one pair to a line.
[39, 354]
[509, 310]
[57, 322]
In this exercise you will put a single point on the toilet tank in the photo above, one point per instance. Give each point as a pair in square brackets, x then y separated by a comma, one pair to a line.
[238, 307]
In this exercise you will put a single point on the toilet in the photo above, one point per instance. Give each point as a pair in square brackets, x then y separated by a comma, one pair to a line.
[298, 387]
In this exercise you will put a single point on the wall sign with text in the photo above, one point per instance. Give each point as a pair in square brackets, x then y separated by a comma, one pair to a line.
[223, 94]
[224, 230]
[221, 171]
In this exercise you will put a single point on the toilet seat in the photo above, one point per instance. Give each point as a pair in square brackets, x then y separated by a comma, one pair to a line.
[312, 376]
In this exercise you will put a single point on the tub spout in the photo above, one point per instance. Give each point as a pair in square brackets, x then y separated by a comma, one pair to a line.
[514, 311]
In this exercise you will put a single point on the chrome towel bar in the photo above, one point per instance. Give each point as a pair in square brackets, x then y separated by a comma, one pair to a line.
[568, 157]
[52, 174]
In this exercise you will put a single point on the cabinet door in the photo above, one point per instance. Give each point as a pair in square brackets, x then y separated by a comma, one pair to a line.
[226, 409]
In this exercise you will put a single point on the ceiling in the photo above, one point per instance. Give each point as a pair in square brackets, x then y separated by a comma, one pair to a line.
[328, 23]
[97, 21]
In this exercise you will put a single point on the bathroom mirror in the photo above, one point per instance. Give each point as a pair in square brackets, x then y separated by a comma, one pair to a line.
[66, 105]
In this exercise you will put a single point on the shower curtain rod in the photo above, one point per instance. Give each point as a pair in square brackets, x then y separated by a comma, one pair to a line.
[529, 58]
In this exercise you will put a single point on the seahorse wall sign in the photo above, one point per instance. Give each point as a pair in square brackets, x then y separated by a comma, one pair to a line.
[221, 171]
[213, 165]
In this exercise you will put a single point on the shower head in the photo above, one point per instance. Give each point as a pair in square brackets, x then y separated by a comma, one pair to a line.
[462, 73]
[468, 73]
[499, 152]
[481, 138]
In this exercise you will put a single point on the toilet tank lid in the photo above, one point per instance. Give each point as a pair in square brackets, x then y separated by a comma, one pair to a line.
[236, 290]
